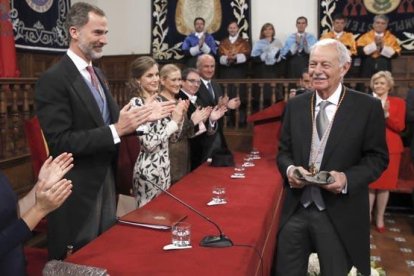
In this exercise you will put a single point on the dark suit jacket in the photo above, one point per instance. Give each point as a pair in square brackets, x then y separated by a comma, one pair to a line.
[205, 142]
[71, 121]
[356, 146]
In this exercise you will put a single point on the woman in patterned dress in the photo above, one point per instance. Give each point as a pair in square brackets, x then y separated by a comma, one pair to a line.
[153, 162]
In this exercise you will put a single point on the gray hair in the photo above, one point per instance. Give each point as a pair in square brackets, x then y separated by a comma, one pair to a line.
[382, 74]
[78, 14]
[201, 59]
[343, 53]
[383, 17]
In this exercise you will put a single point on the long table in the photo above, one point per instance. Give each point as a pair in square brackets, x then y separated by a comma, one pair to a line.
[250, 219]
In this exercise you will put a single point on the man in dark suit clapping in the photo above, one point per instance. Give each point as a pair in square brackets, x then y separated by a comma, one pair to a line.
[78, 114]
[340, 131]
[211, 94]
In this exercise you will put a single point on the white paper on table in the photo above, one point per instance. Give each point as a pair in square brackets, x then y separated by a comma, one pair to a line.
[173, 247]
[213, 202]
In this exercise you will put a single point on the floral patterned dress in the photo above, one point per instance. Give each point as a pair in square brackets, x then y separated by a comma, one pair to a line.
[153, 162]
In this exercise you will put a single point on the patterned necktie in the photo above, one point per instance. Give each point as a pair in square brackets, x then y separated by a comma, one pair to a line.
[322, 121]
[210, 89]
[94, 78]
[99, 96]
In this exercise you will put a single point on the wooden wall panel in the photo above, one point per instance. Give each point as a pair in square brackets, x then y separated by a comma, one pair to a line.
[117, 67]
[16, 104]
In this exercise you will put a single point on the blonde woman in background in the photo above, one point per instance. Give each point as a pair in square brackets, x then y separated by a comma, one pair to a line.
[180, 153]
[394, 112]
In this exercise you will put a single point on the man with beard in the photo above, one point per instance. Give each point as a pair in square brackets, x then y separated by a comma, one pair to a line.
[199, 42]
[78, 114]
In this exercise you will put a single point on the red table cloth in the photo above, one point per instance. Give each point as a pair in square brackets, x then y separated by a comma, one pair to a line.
[250, 219]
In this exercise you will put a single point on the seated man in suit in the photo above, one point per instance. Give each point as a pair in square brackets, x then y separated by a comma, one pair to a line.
[337, 131]
[297, 47]
[377, 47]
[199, 42]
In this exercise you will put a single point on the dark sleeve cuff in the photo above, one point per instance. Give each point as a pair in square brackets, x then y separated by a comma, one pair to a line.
[15, 234]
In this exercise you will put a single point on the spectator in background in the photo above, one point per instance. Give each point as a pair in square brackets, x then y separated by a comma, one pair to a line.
[338, 33]
[179, 151]
[297, 48]
[377, 47]
[210, 94]
[208, 126]
[267, 64]
[18, 220]
[382, 83]
[234, 51]
[153, 162]
[305, 83]
[266, 54]
[199, 42]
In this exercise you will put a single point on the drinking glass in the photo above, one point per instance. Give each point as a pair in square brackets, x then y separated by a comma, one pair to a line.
[219, 194]
[181, 234]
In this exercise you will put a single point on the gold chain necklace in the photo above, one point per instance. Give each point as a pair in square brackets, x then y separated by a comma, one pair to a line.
[312, 169]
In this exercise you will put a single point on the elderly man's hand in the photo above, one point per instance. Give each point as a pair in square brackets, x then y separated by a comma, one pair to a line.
[293, 177]
[338, 185]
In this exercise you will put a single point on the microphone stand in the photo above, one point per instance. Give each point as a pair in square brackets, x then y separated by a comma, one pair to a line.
[208, 241]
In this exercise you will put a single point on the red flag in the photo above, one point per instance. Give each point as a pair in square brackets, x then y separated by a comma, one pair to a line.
[8, 63]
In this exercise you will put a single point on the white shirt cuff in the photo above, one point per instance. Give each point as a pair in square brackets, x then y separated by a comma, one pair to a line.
[240, 58]
[205, 49]
[201, 129]
[195, 50]
[223, 60]
[345, 189]
[115, 135]
[212, 123]
[387, 51]
[370, 48]
[288, 168]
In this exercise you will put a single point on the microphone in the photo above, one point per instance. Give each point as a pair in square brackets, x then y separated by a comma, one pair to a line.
[208, 241]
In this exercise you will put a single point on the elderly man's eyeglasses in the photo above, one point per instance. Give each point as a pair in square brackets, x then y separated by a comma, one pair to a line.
[193, 81]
